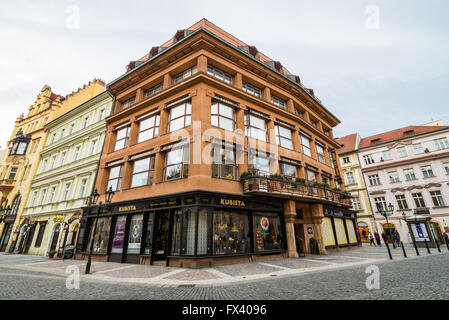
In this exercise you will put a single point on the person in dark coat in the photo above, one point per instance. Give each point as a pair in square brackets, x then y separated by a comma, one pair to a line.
[377, 237]
[446, 237]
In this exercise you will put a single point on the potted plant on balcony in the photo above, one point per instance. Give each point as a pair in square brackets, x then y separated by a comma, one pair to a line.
[274, 185]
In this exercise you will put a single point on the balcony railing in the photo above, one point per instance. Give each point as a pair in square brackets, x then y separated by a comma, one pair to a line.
[291, 188]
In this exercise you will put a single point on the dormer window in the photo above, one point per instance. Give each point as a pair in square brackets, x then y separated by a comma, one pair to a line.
[377, 140]
[20, 144]
[409, 133]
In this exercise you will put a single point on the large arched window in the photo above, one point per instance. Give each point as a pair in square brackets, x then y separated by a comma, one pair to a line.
[16, 204]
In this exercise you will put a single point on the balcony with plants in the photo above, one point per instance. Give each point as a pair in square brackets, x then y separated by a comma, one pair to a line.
[295, 188]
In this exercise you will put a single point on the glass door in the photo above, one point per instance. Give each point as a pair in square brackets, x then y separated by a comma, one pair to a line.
[161, 235]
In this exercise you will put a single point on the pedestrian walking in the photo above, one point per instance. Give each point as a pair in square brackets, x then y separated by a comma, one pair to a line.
[398, 239]
[371, 239]
[384, 237]
[446, 237]
[377, 237]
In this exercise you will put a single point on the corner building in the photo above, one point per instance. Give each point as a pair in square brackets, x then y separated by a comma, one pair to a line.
[271, 184]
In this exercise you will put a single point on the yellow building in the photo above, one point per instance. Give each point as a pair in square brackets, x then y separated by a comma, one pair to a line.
[20, 162]
[355, 184]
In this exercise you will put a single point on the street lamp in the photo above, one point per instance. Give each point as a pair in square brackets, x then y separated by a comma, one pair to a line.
[387, 212]
[92, 201]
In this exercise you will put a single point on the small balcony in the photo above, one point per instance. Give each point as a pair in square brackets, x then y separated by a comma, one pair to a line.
[255, 182]
[7, 185]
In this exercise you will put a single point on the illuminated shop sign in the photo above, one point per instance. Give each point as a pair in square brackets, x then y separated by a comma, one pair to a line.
[127, 208]
[230, 202]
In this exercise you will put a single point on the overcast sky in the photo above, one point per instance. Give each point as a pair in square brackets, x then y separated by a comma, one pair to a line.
[376, 65]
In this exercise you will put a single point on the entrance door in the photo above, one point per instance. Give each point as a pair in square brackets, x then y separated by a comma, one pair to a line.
[437, 232]
[5, 237]
[54, 240]
[160, 244]
[364, 232]
[299, 238]
[30, 239]
[388, 229]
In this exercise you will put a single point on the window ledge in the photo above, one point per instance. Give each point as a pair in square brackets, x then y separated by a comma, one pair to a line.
[440, 207]
[429, 177]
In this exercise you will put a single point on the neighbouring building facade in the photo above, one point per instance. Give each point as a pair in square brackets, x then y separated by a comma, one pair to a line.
[408, 168]
[19, 165]
[66, 176]
[216, 153]
[355, 184]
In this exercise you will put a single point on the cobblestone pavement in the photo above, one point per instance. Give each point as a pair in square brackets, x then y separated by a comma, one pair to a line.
[326, 277]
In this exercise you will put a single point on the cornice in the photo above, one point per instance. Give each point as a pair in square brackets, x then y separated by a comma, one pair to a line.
[389, 164]
[162, 59]
[204, 77]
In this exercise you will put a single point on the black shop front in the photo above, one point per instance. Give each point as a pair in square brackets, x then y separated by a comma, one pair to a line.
[194, 229]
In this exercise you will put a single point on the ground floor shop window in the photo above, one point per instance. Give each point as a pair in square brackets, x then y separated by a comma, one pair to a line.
[268, 233]
[231, 232]
[119, 235]
[135, 234]
[101, 238]
[183, 235]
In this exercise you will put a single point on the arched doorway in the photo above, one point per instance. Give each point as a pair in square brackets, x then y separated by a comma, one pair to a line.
[73, 233]
[388, 230]
[363, 231]
[55, 238]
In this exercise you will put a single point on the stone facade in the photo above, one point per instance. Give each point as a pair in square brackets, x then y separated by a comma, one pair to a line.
[408, 168]
[66, 175]
[220, 88]
[21, 160]
[355, 184]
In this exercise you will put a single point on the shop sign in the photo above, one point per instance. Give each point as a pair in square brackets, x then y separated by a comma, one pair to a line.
[127, 208]
[230, 202]
[309, 230]
[58, 219]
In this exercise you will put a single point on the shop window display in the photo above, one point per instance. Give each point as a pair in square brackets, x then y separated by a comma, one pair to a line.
[231, 233]
[101, 238]
[268, 233]
[119, 235]
[135, 234]
[183, 236]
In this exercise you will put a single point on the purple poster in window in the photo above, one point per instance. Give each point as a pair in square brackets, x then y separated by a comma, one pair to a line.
[119, 235]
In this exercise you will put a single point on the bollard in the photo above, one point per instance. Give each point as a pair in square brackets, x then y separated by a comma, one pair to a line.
[416, 248]
[388, 248]
[427, 246]
[403, 250]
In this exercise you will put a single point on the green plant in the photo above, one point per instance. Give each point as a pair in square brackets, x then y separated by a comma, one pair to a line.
[52, 253]
[302, 180]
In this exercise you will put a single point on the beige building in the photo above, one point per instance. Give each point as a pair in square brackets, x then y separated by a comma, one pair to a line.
[21, 159]
[355, 184]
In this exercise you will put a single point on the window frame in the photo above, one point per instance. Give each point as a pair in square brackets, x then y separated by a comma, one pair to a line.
[218, 115]
[251, 89]
[125, 138]
[150, 171]
[119, 177]
[184, 161]
[279, 136]
[419, 199]
[187, 105]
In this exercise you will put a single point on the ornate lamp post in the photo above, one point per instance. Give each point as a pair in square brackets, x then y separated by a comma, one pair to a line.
[386, 213]
[92, 201]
